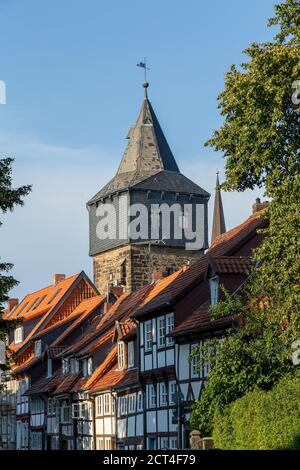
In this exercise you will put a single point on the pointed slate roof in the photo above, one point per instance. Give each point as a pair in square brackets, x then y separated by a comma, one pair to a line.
[147, 154]
[218, 226]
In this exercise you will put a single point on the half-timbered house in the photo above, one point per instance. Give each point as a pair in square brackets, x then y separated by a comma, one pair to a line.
[177, 320]
[37, 312]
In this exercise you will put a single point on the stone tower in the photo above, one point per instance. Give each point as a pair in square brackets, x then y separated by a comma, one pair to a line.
[144, 219]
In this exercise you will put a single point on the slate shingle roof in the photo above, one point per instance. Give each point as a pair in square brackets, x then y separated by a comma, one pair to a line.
[148, 161]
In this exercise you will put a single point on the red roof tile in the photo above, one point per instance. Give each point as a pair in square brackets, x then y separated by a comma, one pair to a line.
[231, 264]
[226, 244]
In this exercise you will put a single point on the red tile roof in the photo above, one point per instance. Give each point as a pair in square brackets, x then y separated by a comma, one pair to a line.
[201, 321]
[227, 244]
[107, 364]
[115, 378]
[82, 311]
[67, 383]
[42, 300]
[30, 308]
[231, 264]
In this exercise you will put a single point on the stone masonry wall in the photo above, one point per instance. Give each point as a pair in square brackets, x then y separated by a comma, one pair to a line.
[133, 265]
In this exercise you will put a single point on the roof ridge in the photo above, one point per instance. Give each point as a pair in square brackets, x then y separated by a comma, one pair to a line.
[50, 285]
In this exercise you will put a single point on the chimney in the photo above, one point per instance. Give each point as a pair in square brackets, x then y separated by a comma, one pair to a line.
[11, 304]
[156, 275]
[57, 278]
[258, 205]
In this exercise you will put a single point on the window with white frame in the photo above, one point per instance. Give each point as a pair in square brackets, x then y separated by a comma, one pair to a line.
[38, 348]
[214, 290]
[65, 414]
[131, 403]
[73, 366]
[99, 405]
[90, 366]
[36, 440]
[49, 367]
[148, 335]
[121, 356]
[85, 410]
[100, 443]
[107, 443]
[173, 443]
[161, 332]
[169, 328]
[151, 396]
[19, 335]
[123, 405]
[130, 354]
[164, 443]
[76, 412]
[140, 401]
[65, 366]
[163, 394]
[172, 392]
[84, 367]
[36, 405]
[107, 404]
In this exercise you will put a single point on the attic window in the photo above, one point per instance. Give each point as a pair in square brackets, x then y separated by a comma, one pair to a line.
[39, 302]
[54, 295]
[22, 308]
[31, 305]
[121, 355]
[19, 335]
[38, 348]
[214, 290]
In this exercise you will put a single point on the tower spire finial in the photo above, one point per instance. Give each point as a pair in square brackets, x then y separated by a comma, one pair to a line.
[144, 66]
[218, 226]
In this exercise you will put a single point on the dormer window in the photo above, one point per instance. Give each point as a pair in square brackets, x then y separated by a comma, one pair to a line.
[74, 366]
[38, 348]
[130, 354]
[19, 335]
[121, 355]
[214, 290]
[65, 366]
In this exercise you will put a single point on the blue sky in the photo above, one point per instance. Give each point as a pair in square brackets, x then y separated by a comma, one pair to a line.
[73, 91]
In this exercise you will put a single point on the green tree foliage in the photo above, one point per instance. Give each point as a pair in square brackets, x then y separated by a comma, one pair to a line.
[260, 141]
[262, 420]
[9, 198]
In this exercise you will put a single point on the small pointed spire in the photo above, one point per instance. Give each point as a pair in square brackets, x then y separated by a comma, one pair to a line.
[218, 226]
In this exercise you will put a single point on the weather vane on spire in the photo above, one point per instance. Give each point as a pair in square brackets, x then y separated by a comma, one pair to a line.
[143, 65]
